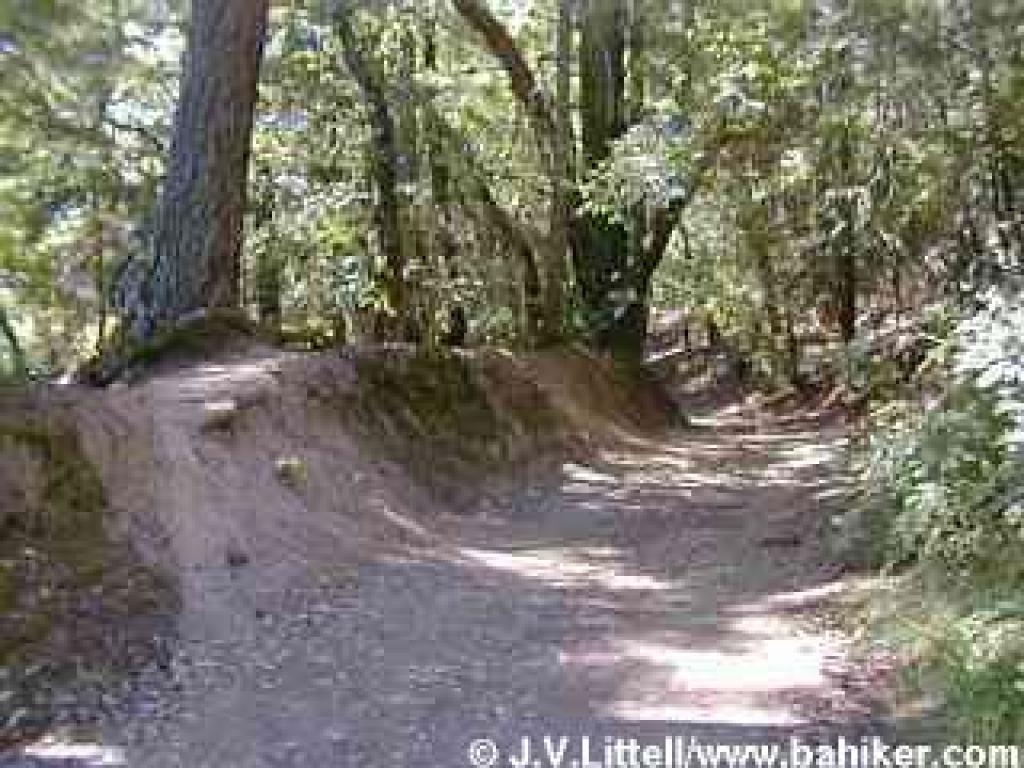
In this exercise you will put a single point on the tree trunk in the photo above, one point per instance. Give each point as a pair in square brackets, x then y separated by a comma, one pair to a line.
[446, 246]
[198, 243]
[561, 177]
[416, 321]
[613, 294]
[847, 267]
[384, 170]
[521, 78]
[543, 299]
[269, 269]
[613, 279]
[520, 239]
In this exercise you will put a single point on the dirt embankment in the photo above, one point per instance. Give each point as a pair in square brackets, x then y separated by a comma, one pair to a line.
[78, 606]
[118, 503]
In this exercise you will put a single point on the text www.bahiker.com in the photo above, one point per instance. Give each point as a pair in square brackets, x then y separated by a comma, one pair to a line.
[689, 752]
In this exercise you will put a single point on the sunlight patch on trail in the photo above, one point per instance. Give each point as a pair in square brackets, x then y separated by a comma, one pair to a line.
[748, 664]
[56, 750]
[587, 475]
[755, 677]
[569, 567]
[211, 378]
[795, 599]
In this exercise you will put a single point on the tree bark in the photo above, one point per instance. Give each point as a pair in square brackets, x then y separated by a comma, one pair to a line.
[446, 245]
[603, 77]
[198, 237]
[561, 177]
[384, 159]
[544, 278]
[417, 316]
[521, 78]
[847, 266]
[613, 298]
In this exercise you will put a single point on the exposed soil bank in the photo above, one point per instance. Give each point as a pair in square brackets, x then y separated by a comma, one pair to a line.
[378, 554]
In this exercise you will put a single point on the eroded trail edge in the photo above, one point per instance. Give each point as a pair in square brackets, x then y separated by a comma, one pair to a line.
[664, 585]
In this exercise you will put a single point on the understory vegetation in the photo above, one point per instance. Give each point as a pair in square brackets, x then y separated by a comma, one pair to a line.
[943, 481]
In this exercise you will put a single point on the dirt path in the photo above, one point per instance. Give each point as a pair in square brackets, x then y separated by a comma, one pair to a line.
[662, 588]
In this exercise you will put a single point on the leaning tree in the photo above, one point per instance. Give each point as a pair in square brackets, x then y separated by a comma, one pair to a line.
[198, 230]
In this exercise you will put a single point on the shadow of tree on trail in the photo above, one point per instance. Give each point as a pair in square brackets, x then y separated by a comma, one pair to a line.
[664, 588]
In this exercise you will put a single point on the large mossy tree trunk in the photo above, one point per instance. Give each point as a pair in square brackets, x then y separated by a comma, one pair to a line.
[614, 283]
[198, 233]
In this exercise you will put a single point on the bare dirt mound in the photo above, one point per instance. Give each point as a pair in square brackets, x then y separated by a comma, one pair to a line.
[266, 453]
[150, 498]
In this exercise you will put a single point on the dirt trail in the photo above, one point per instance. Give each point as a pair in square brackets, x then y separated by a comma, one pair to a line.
[665, 586]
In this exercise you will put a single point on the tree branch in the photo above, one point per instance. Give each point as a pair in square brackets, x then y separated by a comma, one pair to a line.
[666, 218]
[384, 156]
[518, 233]
[144, 133]
[521, 78]
[17, 352]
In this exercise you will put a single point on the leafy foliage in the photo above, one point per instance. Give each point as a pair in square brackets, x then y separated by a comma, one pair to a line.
[951, 469]
[949, 479]
[944, 482]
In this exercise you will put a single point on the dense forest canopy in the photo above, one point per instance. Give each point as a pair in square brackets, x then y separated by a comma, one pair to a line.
[513, 172]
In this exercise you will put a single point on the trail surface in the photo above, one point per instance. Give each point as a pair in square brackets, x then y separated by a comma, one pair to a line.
[669, 586]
